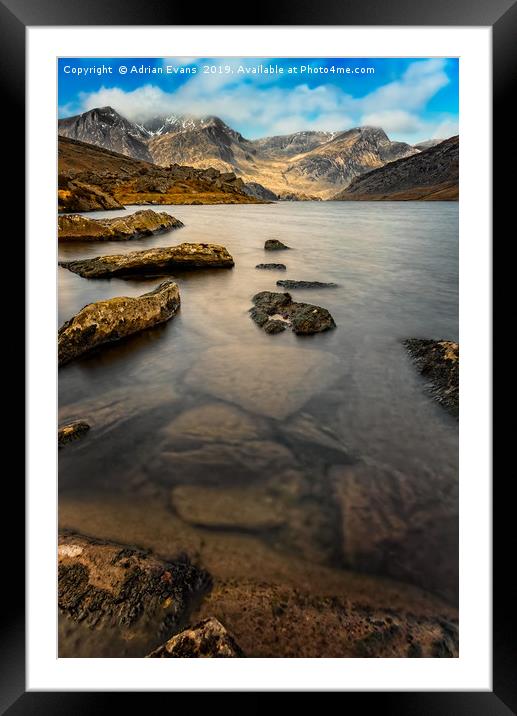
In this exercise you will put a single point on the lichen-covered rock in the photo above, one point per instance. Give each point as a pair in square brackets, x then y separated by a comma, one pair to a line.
[121, 599]
[305, 284]
[274, 245]
[303, 318]
[75, 227]
[271, 267]
[208, 639]
[72, 431]
[153, 262]
[439, 362]
[107, 321]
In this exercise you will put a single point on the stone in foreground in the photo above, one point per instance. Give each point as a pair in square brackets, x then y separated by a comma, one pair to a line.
[275, 245]
[72, 431]
[208, 639]
[305, 284]
[271, 309]
[271, 267]
[120, 599]
[439, 362]
[75, 227]
[109, 321]
[153, 262]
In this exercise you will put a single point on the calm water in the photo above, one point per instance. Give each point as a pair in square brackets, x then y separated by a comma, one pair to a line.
[323, 448]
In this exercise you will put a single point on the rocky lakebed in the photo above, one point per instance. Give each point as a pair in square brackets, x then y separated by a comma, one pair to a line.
[252, 465]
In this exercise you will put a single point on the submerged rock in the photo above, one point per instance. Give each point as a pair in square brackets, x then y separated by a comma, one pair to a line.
[271, 267]
[107, 321]
[439, 362]
[237, 508]
[208, 639]
[75, 227]
[394, 523]
[153, 262]
[274, 381]
[72, 431]
[274, 245]
[303, 318]
[305, 284]
[121, 598]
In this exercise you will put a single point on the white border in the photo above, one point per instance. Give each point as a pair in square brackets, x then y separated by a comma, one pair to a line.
[472, 670]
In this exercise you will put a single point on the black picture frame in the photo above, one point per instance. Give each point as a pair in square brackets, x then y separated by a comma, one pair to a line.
[501, 15]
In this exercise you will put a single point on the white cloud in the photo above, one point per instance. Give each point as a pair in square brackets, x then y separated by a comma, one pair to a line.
[259, 106]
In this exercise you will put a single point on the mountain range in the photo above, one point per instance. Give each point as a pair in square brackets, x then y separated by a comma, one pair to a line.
[301, 165]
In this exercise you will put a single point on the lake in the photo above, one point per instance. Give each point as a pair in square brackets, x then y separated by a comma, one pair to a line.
[318, 462]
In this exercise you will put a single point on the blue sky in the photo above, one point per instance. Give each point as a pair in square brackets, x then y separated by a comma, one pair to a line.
[411, 99]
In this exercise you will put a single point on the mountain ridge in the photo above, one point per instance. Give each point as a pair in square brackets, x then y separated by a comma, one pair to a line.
[305, 164]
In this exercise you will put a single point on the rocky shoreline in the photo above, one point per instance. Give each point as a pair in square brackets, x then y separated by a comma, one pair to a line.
[117, 599]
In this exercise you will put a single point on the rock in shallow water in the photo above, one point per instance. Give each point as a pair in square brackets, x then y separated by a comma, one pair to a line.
[274, 245]
[274, 381]
[439, 362]
[72, 431]
[121, 599]
[271, 267]
[303, 318]
[76, 227]
[239, 508]
[108, 321]
[208, 639]
[305, 284]
[153, 262]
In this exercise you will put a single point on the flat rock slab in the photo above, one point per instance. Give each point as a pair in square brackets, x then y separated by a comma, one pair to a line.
[275, 245]
[274, 381]
[439, 362]
[107, 321]
[305, 284]
[303, 318]
[271, 267]
[208, 639]
[153, 262]
[72, 431]
[76, 227]
[236, 508]
[123, 599]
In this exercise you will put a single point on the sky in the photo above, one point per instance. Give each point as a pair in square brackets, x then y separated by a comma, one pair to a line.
[411, 99]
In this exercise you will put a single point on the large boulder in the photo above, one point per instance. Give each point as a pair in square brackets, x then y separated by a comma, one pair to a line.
[75, 227]
[305, 284]
[108, 321]
[439, 363]
[153, 262]
[117, 600]
[270, 309]
[208, 639]
[81, 196]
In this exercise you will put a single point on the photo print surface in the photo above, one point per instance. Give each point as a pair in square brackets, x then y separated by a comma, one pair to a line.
[258, 357]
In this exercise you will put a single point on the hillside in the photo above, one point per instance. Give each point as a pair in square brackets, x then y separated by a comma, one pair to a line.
[90, 177]
[430, 175]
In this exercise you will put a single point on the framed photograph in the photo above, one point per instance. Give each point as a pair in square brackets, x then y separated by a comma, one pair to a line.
[253, 252]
